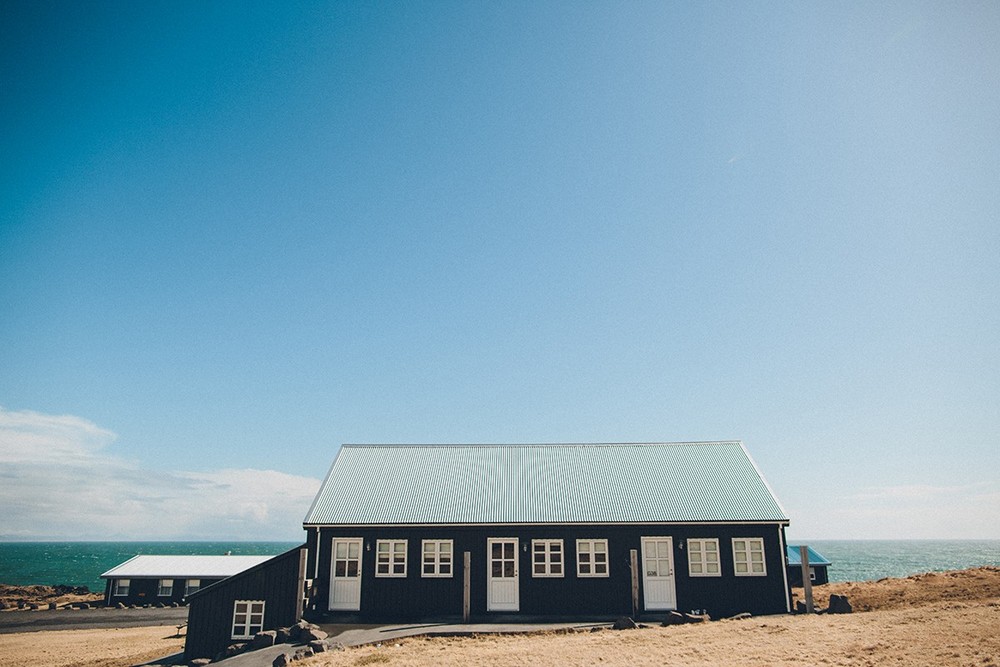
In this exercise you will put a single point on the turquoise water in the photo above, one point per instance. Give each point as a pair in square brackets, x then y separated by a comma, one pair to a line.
[82, 563]
[869, 560]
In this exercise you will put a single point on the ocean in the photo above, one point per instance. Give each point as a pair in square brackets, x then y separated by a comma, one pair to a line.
[81, 563]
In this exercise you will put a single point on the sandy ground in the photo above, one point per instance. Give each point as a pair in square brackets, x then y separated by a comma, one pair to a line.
[117, 647]
[938, 619]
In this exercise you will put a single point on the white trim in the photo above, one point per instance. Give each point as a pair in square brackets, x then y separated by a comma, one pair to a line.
[436, 560]
[593, 542]
[704, 561]
[784, 570]
[160, 587]
[550, 558]
[782, 522]
[250, 627]
[394, 558]
[749, 557]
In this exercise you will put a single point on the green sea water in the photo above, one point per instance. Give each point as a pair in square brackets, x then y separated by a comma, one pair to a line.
[82, 563]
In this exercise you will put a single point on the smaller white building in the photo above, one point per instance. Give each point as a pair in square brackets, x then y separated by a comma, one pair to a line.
[151, 580]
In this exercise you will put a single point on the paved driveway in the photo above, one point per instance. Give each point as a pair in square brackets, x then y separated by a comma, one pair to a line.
[89, 619]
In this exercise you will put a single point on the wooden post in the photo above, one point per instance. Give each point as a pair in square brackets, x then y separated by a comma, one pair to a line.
[634, 556]
[466, 585]
[807, 584]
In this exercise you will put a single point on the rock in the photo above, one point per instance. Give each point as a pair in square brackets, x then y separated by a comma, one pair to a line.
[596, 629]
[697, 618]
[741, 616]
[120, 605]
[282, 636]
[319, 646]
[624, 623]
[311, 633]
[302, 653]
[52, 605]
[282, 660]
[83, 605]
[263, 640]
[296, 630]
[200, 662]
[839, 605]
[800, 607]
[33, 606]
[674, 618]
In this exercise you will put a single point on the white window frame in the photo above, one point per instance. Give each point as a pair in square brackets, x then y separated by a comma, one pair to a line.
[435, 560]
[550, 557]
[250, 627]
[191, 586]
[747, 560]
[165, 590]
[697, 555]
[592, 564]
[812, 573]
[394, 558]
[121, 587]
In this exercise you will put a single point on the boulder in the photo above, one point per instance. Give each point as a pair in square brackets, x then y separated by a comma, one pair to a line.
[200, 662]
[296, 630]
[282, 636]
[120, 605]
[741, 616]
[800, 607]
[674, 618]
[311, 633]
[319, 646]
[52, 605]
[263, 640]
[839, 605]
[624, 623]
[302, 653]
[83, 605]
[283, 660]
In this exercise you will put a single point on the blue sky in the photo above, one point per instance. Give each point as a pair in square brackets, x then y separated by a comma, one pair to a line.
[235, 236]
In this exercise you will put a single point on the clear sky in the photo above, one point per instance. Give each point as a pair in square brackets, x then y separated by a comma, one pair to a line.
[234, 236]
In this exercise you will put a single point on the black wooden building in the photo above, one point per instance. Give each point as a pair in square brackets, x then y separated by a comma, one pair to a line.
[267, 596]
[168, 579]
[548, 530]
[818, 565]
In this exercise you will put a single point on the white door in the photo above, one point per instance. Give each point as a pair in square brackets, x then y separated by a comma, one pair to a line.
[658, 573]
[502, 587]
[345, 574]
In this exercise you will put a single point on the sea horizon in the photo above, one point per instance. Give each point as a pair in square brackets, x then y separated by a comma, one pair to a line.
[81, 562]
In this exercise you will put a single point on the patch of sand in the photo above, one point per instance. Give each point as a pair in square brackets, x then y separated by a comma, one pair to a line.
[117, 647]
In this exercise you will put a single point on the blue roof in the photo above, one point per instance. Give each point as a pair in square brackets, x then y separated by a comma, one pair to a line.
[815, 557]
[527, 484]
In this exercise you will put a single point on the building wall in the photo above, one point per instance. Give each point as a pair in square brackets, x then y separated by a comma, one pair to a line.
[795, 575]
[143, 591]
[278, 582]
[418, 598]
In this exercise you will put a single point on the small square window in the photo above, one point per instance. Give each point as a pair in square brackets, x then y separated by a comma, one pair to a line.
[703, 557]
[436, 559]
[591, 558]
[248, 618]
[390, 558]
[547, 558]
[192, 586]
[121, 587]
[166, 588]
[748, 557]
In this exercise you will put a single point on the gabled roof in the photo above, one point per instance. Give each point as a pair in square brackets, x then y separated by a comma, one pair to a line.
[793, 557]
[527, 484]
[183, 567]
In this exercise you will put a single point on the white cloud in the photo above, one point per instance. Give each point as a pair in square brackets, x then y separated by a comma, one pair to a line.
[57, 481]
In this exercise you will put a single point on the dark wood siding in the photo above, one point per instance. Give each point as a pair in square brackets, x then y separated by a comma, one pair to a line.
[145, 591]
[795, 575]
[417, 598]
[278, 582]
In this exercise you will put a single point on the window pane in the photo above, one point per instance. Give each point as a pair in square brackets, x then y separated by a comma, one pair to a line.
[352, 568]
[428, 568]
[446, 547]
[399, 548]
[496, 550]
[383, 548]
[600, 546]
[341, 550]
[353, 550]
[556, 568]
[556, 547]
[497, 568]
[341, 568]
[539, 568]
[600, 568]
[445, 568]
[508, 550]
[429, 547]
[662, 550]
[508, 569]
[257, 608]
[583, 547]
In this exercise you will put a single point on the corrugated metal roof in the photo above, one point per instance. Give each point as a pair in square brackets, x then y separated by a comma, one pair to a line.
[815, 557]
[184, 567]
[505, 484]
